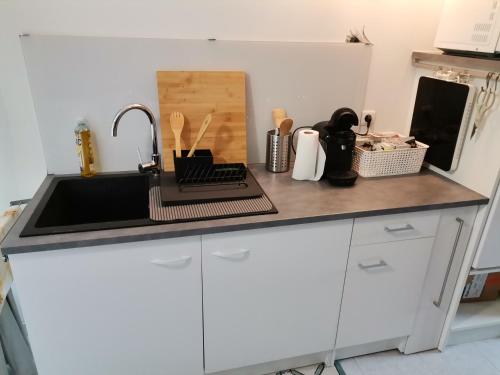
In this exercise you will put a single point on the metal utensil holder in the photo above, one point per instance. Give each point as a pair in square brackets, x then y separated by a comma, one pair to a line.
[278, 152]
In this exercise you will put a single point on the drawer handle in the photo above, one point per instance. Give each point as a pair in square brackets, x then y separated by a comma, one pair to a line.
[382, 263]
[450, 262]
[238, 254]
[180, 261]
[399, 229]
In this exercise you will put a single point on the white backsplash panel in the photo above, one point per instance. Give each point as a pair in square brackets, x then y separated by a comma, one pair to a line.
[93, 77]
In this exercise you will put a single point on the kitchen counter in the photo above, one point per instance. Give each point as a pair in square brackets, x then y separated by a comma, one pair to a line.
[297, 202]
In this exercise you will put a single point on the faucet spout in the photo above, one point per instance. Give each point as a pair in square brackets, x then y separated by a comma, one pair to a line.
[155, 165]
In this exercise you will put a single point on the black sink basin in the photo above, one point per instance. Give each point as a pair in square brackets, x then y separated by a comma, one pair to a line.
[76, 204]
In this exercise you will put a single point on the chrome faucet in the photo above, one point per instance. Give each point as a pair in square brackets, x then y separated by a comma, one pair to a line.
[155, 164]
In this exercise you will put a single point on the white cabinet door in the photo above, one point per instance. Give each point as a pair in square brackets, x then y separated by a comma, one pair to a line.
[123, 309]
[445, 279]
[382, 291]
[273, 293]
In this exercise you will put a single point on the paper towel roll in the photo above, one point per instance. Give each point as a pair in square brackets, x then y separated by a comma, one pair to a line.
[310, 158]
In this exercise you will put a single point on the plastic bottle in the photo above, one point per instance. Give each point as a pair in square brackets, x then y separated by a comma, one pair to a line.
[84, 149]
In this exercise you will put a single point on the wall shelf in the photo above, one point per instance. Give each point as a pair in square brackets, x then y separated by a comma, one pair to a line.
[481, 271]
[477, 66]
[475, 321]
[477, 315]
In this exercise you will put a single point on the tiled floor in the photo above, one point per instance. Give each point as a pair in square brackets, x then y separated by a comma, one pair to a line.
[309, 370]
[478, 358]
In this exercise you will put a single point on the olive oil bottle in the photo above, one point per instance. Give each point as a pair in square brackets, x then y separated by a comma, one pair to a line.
[84, 149]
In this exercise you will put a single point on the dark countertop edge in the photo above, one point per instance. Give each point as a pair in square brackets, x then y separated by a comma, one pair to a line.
[13, 250]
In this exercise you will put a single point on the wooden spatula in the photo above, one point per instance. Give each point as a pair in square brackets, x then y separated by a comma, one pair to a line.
[200, 134]
[278, 115]
[177, 123]
[285, 126]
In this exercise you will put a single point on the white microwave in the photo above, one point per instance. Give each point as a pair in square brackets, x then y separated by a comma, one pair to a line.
[469, 26]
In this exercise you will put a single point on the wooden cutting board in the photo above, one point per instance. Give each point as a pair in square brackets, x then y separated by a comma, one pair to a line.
[195, 94]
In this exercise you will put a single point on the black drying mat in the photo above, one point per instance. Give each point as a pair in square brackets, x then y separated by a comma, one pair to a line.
[204, 211]
[173, 193]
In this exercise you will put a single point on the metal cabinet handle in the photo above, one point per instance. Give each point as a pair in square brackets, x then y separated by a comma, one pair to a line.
[461, 223]
[172, 262]
[399, 229]
[382, 263]
[232, 254]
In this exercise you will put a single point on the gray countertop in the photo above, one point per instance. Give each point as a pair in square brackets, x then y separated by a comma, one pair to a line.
[297, 202]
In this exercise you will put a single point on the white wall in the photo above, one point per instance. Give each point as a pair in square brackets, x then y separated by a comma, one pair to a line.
[395, 26]
[5, 186]
[22, 166]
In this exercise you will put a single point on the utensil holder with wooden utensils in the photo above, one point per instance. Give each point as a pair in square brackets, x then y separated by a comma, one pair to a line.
[278, 152]
[279, 142]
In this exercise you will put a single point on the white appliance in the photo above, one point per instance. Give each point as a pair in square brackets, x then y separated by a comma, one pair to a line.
[488, 252]
[469, 26]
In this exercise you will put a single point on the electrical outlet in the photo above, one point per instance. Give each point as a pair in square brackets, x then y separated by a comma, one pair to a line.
[362, 121]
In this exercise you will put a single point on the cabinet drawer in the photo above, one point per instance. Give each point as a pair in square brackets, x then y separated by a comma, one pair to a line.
[382, 291]
[395, 227]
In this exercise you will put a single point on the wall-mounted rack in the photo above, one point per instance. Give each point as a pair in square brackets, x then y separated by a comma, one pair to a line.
[475, 66]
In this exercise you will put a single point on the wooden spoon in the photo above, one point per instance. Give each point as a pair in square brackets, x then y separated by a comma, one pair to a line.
[177, 123]
[285, 126]
[200, 134]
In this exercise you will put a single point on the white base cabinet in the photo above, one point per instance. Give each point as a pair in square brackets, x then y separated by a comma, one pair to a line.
[246, 302]
[382, 291]
[272, 294]
[124, 309]
[388, 261]
[403, 271]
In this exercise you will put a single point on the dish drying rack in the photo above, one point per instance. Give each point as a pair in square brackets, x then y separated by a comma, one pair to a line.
[198, 180]
[201, 170]
[213, 174]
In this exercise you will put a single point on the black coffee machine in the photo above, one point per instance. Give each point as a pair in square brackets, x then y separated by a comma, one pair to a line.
[338, 141]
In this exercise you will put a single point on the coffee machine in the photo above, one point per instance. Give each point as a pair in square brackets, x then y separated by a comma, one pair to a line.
[338, 141]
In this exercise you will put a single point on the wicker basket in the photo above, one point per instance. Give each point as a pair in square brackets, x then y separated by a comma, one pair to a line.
[389, 163]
